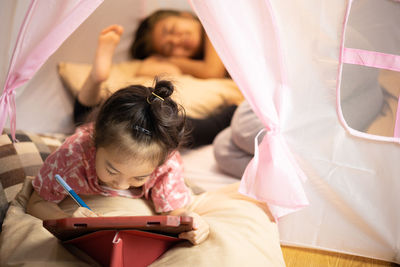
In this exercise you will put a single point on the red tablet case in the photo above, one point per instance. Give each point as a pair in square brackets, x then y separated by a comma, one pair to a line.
[125, 247]
[114, 241]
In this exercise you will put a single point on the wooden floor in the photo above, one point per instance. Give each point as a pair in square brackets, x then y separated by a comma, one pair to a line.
[302, 257]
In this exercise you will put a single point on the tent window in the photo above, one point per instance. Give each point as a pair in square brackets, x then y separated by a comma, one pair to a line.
[370, 81]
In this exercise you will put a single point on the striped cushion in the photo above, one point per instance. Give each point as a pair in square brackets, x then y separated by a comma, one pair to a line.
[21, 159]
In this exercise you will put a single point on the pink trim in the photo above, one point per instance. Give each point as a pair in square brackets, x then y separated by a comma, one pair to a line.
[371, 59]
[339, 73]
[396, 133]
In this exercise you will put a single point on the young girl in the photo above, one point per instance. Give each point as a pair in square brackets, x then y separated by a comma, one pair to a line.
[170, 38]
[130, 151]
[202, 131]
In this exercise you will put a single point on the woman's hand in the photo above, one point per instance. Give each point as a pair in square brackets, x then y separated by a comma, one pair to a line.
[84, 212]
[156, 65]
[200, 232]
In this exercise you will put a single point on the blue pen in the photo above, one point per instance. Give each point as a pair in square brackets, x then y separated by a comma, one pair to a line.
[71, 192]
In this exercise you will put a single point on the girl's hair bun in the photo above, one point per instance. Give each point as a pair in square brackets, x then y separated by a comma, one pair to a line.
[163, 88]
[138, 111]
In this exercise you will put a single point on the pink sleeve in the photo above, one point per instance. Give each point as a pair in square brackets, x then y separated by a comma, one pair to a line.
[170, 191]
[66, 162]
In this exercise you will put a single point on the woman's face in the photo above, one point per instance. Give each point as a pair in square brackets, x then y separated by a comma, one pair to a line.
[119, 172]
[176, 36]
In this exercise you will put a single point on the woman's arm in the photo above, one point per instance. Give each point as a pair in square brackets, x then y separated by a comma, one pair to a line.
[210, 67]
[153, 66]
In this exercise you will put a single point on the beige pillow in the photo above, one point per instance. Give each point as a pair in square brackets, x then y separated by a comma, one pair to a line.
[199, 97]
[241, 232]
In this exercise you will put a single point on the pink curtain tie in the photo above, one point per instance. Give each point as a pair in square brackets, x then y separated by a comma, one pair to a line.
[8, 108]
[272, 176]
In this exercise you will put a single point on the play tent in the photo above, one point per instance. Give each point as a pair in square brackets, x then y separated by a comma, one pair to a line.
[331, 186]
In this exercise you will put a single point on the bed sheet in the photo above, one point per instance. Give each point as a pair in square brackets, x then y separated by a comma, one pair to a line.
[202, 170]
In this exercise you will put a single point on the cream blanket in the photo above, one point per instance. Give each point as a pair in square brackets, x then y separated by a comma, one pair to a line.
[241, 233]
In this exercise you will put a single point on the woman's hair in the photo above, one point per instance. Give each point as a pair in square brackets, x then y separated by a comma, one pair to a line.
[142, 46]
[142, 122]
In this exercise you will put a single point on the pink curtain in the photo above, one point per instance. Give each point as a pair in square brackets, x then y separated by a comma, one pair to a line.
[246, 36]
[45, 27]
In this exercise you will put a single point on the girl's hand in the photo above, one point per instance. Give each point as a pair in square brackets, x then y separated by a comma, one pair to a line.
[84, 212]
[200, 232]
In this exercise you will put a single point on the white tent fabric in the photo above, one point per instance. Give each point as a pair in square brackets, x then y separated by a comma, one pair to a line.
[351, 183]
[352, 179]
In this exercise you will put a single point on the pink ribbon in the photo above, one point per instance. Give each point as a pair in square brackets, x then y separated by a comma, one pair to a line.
[7, 107]
[267, 180]
[371, 59]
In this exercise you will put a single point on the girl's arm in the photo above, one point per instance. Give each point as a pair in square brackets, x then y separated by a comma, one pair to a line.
[210, 67]
[45, 210]
[171, 192]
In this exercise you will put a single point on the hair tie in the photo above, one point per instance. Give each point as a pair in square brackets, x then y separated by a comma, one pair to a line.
[159, 97]
[141, 129]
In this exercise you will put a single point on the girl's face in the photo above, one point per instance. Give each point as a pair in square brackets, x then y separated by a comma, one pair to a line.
[176, 36]
[119, 172]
